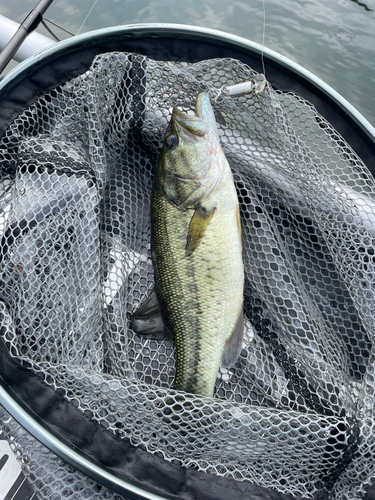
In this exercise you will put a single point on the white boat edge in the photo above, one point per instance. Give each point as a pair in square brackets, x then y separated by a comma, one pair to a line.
[34, 43]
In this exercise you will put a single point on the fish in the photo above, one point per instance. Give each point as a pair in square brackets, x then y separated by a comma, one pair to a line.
[197, 252]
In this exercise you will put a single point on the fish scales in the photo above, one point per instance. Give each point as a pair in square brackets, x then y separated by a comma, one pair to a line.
[199, 295]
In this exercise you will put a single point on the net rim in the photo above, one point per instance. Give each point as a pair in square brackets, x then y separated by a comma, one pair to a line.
[67, 453]
[182, 30]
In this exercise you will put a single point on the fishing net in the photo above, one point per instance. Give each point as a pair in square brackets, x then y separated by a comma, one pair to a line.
[49, 476]
[296, 412]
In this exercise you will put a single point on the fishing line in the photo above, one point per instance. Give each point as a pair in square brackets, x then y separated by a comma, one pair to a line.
[58, 26]
[49, 30]
[264, 35]
[255, 85]
[96, 1]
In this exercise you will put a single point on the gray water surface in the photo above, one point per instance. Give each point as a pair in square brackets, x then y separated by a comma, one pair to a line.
[333, 39]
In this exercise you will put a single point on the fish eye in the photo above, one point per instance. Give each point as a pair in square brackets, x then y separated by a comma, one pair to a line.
[171, 142]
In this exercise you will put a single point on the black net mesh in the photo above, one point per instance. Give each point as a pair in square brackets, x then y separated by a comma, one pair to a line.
[296, 411]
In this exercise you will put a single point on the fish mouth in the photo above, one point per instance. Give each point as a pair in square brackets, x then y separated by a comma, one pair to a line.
[192, 124]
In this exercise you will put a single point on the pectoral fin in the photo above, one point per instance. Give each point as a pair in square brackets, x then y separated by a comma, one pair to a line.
[148, 321]
[198, 225]
[233, 345]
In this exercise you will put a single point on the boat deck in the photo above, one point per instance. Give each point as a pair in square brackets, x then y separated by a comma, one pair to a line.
[13, 483]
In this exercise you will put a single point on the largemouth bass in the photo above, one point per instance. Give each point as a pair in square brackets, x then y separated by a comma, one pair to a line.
[197, 252]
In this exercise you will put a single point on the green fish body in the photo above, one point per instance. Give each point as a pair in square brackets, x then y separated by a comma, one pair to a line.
[197, 252]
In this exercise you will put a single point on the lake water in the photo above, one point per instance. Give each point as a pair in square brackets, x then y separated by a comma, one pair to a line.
[335, 40]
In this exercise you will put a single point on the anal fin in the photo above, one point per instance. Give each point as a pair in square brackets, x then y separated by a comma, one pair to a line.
[233, 345]
[148, 321]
